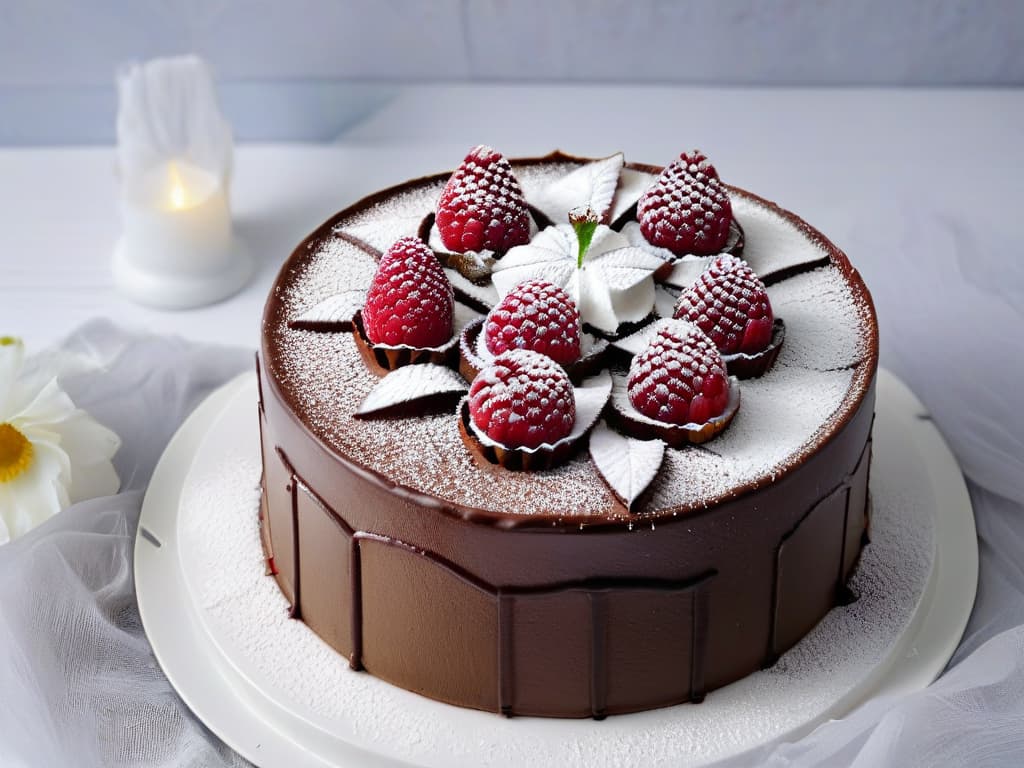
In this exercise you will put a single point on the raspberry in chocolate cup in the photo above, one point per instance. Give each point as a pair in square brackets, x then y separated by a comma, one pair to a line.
[523, 400]
[731, 305]
[687, 210]
[482, 207]
[409, 310]
[535, 315]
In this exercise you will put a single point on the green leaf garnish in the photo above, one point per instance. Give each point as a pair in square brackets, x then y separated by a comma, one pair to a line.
[585, 222]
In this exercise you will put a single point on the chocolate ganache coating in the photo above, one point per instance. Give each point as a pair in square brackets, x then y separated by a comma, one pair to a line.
[541, 593]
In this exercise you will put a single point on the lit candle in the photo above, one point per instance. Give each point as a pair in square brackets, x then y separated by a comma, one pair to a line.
[177, 249]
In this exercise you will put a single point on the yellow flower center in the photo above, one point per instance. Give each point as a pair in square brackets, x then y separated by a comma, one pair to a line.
[15, 453]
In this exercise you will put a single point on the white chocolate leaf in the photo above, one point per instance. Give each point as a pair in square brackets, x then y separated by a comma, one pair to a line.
[628, 465]
[409, 385]
[592, 185]
[332, 314]
[686, 271]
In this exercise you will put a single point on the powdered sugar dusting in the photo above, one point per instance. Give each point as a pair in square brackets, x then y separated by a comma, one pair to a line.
[823, 321]
[780, 416]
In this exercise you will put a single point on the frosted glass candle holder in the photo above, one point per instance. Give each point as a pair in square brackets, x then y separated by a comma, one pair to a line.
[178, 248]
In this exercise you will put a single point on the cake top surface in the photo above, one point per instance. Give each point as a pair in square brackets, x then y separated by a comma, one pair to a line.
[822, 372]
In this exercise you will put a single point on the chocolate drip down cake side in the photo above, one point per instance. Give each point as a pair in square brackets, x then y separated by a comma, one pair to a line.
[565, 437]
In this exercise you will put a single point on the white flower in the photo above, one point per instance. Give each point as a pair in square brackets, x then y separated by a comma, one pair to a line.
[614, 285]
[52, 454]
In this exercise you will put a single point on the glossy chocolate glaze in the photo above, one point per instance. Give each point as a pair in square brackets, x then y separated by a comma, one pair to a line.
[536, 615]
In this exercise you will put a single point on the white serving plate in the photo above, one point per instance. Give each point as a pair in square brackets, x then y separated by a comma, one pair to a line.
[212, 666]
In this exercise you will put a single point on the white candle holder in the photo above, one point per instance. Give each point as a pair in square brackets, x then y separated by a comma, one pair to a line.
[178, 248]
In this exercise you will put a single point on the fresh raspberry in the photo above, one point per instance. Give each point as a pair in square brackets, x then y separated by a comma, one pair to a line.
[523, 399]
[687, 210]
[729, 303]
[697, 162]
[535, 315]
[482, 206]
[410, 300]
[680, 378]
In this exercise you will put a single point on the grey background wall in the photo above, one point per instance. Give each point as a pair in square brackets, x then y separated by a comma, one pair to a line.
[305, 69]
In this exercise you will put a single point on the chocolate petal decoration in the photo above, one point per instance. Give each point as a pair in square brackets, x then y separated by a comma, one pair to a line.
[411, 391]
[333, 314]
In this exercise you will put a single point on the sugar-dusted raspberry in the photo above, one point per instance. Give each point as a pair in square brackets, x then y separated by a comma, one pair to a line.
[680, 377]
[523, 399]
[697, 162]
[730, 304]
[535, 315]
[482, 206]
[687, 210]
[410, 300]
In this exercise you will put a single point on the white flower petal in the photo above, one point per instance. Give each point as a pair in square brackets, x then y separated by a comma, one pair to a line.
[595, 301]
[85, 439]
[93, 481]
[36, 495]
[551, 256]
[625, 267]
[50, 406]
[12, 354]
[89, 446]
[604, 239]
[636, 303]
[5, 534]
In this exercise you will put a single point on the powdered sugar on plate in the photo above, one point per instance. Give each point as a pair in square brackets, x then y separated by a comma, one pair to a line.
[781, 414]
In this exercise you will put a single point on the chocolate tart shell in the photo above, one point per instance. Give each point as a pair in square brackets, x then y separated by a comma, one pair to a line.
[381, 358]
[515, 459]
[744, 366]
[631, 423]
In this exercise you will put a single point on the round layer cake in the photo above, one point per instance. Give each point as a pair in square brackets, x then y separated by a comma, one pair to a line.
[636, 571]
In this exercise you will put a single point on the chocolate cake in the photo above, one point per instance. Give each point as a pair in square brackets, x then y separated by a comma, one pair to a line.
[642, 476]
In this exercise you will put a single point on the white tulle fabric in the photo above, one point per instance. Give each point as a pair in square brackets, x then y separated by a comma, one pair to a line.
[79, 685]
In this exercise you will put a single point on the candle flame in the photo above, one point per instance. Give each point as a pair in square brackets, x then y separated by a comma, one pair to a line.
[178, 197]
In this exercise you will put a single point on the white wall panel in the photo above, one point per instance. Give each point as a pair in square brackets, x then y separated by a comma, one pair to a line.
[299, 68]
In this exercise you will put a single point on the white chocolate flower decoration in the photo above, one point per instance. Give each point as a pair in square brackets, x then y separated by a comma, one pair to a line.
[52, 454]
[611, 281]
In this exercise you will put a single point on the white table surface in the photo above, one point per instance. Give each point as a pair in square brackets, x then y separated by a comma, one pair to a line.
[923, 189]
[903, 180]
